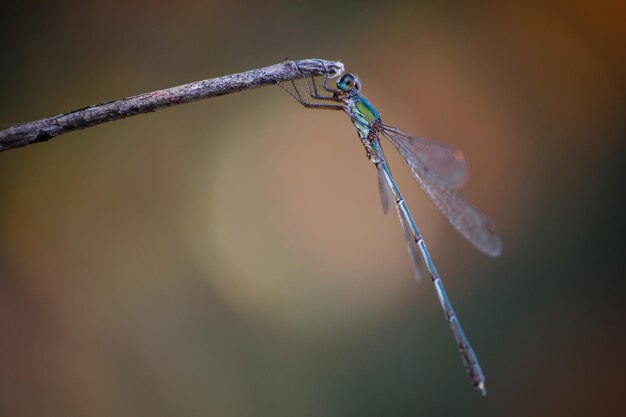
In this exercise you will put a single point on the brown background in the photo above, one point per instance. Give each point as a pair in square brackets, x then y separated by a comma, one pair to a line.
[230, 257]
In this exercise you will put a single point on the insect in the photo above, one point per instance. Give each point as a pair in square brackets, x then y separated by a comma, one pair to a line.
[438, 168]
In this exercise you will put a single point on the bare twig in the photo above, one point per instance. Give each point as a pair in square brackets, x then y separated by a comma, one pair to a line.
[44, 129]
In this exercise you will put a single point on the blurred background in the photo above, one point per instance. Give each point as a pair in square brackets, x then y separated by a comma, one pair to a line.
[230, 257]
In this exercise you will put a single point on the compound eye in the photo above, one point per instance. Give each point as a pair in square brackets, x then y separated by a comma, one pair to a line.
[347, 82]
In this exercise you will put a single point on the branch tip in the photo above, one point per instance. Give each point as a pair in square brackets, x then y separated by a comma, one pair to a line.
[45, 129]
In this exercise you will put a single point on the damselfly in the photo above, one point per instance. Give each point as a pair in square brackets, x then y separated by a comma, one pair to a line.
[438, 169]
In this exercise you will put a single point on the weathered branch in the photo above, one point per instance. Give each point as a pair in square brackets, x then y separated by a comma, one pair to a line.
[45, 129]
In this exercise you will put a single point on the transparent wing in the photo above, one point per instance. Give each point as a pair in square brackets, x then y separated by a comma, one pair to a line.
[384, 192]
[436, 161]
[411, 244]
[473, 225]
[411, 247]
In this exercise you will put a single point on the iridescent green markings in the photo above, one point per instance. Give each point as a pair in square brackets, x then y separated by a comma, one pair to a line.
[438, 169]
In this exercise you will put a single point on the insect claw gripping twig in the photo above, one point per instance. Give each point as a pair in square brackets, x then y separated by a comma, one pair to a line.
[336, 69]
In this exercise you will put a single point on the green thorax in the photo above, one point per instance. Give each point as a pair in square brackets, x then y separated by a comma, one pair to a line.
[363, 114]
